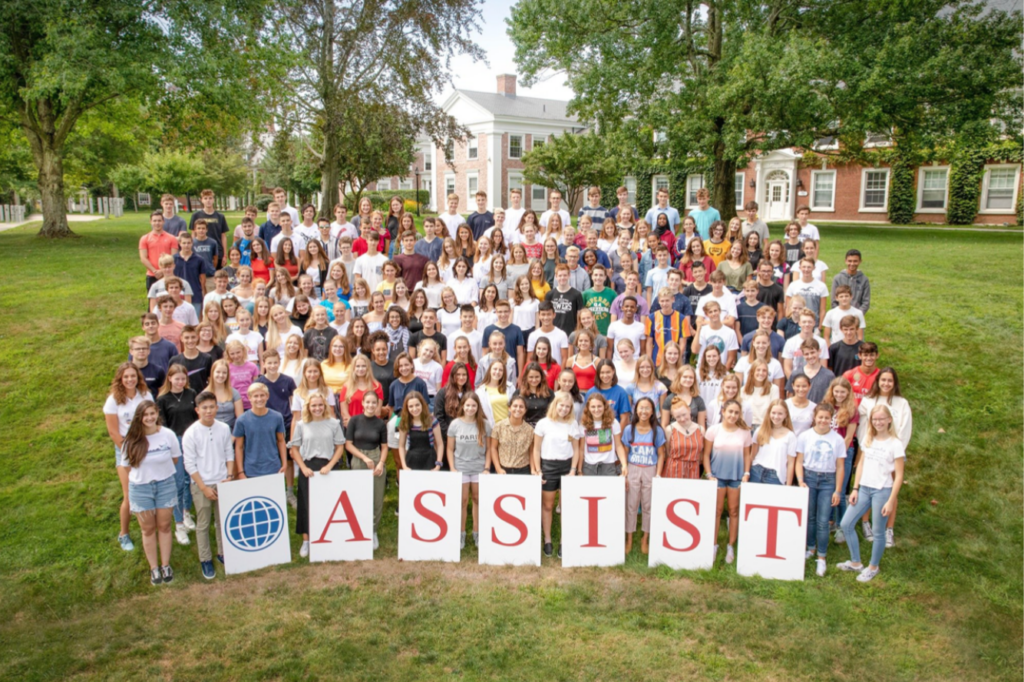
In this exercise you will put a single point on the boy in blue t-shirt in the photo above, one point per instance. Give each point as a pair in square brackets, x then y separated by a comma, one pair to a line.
[259, 434]
[704, 214]
[203, 246]
[747, 308]
[280, 386]
[515, 344]
[193, 269]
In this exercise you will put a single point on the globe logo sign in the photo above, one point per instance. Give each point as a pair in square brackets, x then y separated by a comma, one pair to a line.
[254, 524]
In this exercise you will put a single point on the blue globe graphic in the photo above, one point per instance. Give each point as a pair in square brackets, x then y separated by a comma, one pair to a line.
[254, 524]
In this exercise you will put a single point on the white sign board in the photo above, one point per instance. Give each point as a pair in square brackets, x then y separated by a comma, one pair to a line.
[430, 511]
[683, 523]
[593, 520]
[254, 522]
[341, 516]
[510, 525]
[773, 531]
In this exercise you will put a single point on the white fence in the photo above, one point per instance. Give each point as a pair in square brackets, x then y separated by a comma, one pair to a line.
[10, 213]
[108, 206]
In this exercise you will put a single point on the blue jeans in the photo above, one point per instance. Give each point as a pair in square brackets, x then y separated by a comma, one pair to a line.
[851, 455]
[181, 483]
[875, 498]
[759, 474]
[819, 509]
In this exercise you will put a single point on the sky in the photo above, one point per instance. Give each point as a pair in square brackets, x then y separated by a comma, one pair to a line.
[470, 75]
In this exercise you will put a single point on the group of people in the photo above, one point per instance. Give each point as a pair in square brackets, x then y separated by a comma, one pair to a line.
[503, 342]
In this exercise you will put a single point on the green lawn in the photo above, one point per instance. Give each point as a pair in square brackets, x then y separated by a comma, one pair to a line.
[947, 605]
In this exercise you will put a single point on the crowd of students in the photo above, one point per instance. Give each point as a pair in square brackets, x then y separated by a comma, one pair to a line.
[503, 343]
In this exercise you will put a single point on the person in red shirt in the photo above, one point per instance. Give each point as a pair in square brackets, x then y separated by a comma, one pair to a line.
[863, 378]
[154, 244]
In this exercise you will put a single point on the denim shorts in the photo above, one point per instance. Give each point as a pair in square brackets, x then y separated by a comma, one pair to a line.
[726, 483]
[119, 461]
[143, 497]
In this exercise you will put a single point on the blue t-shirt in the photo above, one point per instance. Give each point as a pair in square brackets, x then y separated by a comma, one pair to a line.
[703, 219]
[432, 250]
[748, 316]
[268, 231]
[513, 337]
[673, 217]
[261, 456]
[617, 396]
[397, 391]
[280, 399]
[190, 270]
[160, 354]
[643, 447]
[681, 304]
[207, 249]
[479, 222]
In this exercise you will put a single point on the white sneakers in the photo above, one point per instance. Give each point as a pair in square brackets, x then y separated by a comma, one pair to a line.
[865, 526]
[188, 521]
[867, 574]
[181, 534]
[304, 549]
[821, 568]
[890, 539]
[730, 554]
[376, 542]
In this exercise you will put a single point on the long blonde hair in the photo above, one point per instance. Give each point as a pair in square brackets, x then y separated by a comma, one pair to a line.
[307, 414]
[303, 388]
[748, 383]
[869, 437]
[552, 413]
[274, 334]
[350, 383]
[212, 386]
[848, 408]
[219, 331]
[764, 432]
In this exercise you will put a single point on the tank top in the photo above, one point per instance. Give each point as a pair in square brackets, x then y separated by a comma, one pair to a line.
[586, 375]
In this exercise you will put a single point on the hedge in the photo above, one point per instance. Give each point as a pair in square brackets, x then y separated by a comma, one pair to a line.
[380, 200]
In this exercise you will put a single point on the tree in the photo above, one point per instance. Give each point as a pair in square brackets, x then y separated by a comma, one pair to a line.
[290, 164]
[387, 52]
[725, 80]
[375, 141]
[571, 163]
[61, 59]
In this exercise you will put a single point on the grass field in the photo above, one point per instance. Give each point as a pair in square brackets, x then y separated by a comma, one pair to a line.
[946, 311]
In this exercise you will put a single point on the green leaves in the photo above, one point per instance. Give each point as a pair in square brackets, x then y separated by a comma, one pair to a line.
[571, 163]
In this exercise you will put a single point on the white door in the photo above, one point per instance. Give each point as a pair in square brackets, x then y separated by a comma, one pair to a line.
[777, 196]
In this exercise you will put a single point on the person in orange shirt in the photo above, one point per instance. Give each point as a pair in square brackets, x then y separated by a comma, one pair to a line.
[154, 244]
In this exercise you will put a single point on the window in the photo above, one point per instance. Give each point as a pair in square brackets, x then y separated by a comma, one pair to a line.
[931, 189]
[515, 146]
[384, 185]
[660, 136]
[472, 148]
[449, 184]
[630, 184]
[426, 164]
[515, 181]
[538, 198]
[538, 141]
[658, 183]
[877, 140]
[404, 183]
[823, 190]
[874, 196]
[999, 189]
[738, 189]
[693, 183]
[472, 184]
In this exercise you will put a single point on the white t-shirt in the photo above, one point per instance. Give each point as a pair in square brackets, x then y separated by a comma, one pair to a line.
[474, 337]
[821, 452]
[524, 315]
[449, 322]
[742, 368]
[775, 454]
[252, 342]
[482, 270]
[559, 445]
[430, 372]
[466, 291]
[298, 401]
[819, 270]
[620, 330]
[370, 268]
[802, 418]
[158, 464]
[452, 222]
[791, 351]
[809, 231]
[727, 302]
[339, 230]
[559, 340]
[812, 293]
[596, 452]
[835, 315]
[207, 450]
[713, 412]
[723, 338]
[880, 462]
[309, 234]
[126, 410]
[159, 288]
[298, 242]
[433, 292]
[563, 214]
[511, 228]
[186, 314]
[758, 403]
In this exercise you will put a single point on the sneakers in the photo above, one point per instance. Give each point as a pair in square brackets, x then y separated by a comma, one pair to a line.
[155, 577]
[849, 567]
[207, 569]
[293, 501]
[821, 567]
[890, 539]
[867, 574]
[126, 542]
[376, 542]
[462, 542]
[558, 509]
[180, 534]
[188, 521]
[730, 554]
[868, 534]
[167, 573]
[809, 553]
[220, 558]
[476, 539]
[840, 537]
[304, 549]
[716, 553]
[549, 549]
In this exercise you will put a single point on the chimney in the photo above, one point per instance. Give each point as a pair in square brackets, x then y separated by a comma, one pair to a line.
[507, 84]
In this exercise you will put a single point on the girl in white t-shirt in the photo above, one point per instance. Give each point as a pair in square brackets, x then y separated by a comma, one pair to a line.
[728, 390]
[876, 486]
[758, 392]
[524, 306]
[625, 363]
[774, 447]
[801, 410]
[761, 349]
[556, 453]
[127, 391]
[431, 284]
[819, 470]
[710, 372]
[427, 368]
[252, 340]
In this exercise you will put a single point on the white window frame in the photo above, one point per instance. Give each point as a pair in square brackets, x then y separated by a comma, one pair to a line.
[472, 175]
[630, 193]
[742, 177]
[515, 180]
[472, 147]
[985, 186]
[522, 145]
[656, 182]
[384, 185]
[870, 143]
[538, 141]
[920, 190]
[404, 183]
[863, 187]
[533, 200]
[449, 178]
[831, 207]
[693, 190]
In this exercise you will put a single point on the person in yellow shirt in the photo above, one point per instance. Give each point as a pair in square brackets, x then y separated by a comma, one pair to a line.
[538, 280]
[717, 247]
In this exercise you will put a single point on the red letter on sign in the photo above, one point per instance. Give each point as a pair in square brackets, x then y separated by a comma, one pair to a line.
[511, 520]
[675, 520]
[350, 519]
[773, 526]
[430, 516]
[592, 518]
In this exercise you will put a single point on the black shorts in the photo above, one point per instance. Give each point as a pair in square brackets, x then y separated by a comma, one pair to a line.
[518, 470]
[552, 471]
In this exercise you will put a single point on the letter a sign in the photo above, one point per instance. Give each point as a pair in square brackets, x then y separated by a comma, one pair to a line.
[510, 520]
[773, 531]
[593, 520]
[430, 505]
[341, 516]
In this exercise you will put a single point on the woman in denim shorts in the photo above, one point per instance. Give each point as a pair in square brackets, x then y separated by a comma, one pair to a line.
[727, 447]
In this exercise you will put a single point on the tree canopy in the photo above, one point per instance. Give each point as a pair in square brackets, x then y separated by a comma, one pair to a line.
[571, 163]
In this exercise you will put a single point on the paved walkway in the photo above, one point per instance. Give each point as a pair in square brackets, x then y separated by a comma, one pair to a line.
[72, 218]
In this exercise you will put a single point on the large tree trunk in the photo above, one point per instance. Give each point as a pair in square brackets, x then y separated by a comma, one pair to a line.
[723, 187]
[51, 190]
[329, 175]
